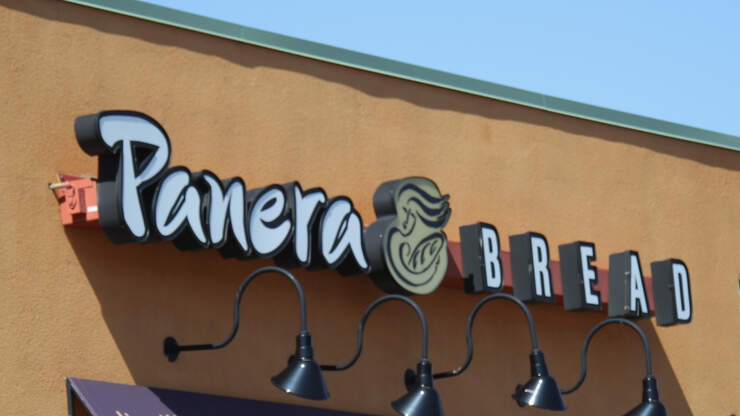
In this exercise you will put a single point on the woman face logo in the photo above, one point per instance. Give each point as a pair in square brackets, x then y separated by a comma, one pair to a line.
[414, 247]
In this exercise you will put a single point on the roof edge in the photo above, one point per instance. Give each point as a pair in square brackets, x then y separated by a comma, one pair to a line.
[416, 73]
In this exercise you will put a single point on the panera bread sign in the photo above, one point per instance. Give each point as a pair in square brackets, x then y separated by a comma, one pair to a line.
[142, 199]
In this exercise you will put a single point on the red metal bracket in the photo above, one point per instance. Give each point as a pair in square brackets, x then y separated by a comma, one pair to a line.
[78, 200]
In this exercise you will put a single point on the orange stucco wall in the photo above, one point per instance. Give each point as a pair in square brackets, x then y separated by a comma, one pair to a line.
[73, 304]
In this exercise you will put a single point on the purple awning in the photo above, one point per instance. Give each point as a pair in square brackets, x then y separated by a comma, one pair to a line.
[110, 399]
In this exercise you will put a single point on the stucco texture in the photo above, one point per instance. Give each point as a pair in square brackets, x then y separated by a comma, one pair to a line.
[73, 304]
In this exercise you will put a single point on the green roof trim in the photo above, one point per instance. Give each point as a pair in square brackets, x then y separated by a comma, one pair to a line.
[345, 57]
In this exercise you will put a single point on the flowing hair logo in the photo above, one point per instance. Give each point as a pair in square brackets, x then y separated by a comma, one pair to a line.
[406, 245]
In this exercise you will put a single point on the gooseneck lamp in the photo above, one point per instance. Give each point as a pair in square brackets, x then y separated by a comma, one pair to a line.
[541, 390]
[303, 376]
[651, 405]
[421, 398]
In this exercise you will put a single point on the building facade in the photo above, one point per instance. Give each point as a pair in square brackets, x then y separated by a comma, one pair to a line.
[76, 305]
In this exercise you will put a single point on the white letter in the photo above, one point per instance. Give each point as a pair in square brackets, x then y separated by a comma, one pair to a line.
[637, 290]
[233, 199]
[265, 235]
[178, 203]
[491, 259]
[129, 130]
[341, 231]
[681, 291]
[306, 207]
[541, 263]
[589, 274]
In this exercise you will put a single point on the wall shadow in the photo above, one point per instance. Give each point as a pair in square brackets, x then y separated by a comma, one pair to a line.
[375, 85]
[149, 291]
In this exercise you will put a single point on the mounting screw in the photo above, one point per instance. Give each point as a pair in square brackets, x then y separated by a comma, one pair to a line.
[171, 349]
[409, 379]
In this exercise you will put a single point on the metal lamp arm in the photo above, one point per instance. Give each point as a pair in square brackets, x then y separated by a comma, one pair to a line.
[361, 328]
[469, 333]
[648, 360]
[172, 349]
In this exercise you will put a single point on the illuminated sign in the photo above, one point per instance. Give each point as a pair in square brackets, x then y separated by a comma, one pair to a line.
[142, 199]
[532, 277]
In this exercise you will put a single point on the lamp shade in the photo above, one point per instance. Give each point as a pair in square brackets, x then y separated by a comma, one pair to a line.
[648, 409]
[541, 390]
[422, 399]
[303, 375]
[651, 405]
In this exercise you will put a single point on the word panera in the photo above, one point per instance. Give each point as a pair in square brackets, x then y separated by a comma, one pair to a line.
[142, 199]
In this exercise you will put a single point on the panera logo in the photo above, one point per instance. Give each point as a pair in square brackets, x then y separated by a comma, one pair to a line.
[406, 245]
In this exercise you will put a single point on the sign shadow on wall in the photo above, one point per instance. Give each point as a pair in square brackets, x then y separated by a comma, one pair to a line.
[148, 291]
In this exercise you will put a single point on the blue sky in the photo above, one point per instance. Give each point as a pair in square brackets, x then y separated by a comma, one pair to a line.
[673, 60]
